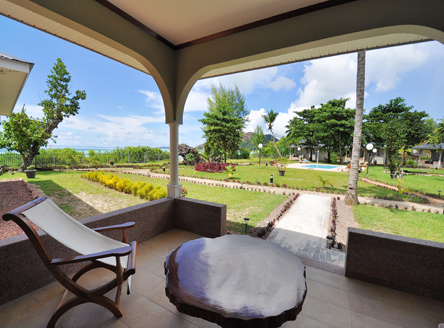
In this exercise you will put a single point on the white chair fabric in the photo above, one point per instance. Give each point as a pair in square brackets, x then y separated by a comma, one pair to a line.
[71, 233]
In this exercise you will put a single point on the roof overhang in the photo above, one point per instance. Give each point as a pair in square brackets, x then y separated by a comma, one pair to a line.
[169, 21]
[13, 75]
[428, 146]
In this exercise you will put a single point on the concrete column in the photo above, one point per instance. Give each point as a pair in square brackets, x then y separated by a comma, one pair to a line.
[174, 187]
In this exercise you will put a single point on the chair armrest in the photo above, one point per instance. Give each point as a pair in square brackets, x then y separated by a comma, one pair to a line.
[122, 227]
[117, 252]
[115, 227]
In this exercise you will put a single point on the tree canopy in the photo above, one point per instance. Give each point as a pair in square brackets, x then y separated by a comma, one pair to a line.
[27, 135]
[224, 121]
[258, 137]
[396, 126]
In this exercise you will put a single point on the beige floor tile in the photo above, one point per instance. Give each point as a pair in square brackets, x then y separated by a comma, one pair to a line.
[157, 295]
[49, 296]
[327, 278]
[394, 314]
[145, 313]
[200, 323]
[327, 313]
[85, 315]
[363, 321]
[380, 293]
[328, 293]
[150, 262]
[305, 322]
[114, 323]
[22, 311]
[143, 281]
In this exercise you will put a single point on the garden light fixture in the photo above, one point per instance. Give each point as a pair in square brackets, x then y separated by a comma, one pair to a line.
[369, 148]
[260, 153]
[271, 178]
[246, 224]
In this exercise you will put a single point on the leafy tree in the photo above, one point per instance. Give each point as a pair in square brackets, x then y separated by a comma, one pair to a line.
[258, 137]
[398, 127]
[222, 129]
[27, 135]
[437, 138]
[269, 118]
[303, 128]
[223, 123]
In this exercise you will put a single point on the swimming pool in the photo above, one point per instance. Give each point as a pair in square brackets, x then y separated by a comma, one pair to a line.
[321, 166]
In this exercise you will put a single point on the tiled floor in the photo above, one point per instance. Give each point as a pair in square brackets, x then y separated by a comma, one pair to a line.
[332, 300]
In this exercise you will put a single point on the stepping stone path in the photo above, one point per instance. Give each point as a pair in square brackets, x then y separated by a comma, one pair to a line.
[302, 230]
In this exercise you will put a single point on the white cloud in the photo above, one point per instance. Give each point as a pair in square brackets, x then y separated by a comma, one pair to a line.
[267, 78]
[385, 67]
[115, 130]
[256, 119]
[35, 111]
[153, 99]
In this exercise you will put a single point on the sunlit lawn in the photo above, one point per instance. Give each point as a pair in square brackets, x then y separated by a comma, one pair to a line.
[300, 178]
[240, 203]
[424, 184]
[421, 225]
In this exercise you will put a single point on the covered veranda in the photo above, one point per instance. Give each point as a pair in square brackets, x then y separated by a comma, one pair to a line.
[178, 44]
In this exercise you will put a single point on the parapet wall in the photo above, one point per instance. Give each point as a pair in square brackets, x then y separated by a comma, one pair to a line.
[411, 265]
[22, 270]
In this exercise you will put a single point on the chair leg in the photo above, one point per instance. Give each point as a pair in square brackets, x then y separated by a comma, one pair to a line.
[103, 301]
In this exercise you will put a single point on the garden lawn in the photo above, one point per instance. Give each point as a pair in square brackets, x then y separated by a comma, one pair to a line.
[300, 178]
[421, 225]
[423, 184]
[73, 193]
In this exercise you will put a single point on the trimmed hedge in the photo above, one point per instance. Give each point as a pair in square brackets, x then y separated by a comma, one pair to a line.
[141, 189]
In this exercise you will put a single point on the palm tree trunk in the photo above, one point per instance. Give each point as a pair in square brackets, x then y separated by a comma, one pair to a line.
[352, 191]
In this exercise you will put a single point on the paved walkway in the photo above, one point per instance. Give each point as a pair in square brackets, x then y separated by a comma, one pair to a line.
[302, 230]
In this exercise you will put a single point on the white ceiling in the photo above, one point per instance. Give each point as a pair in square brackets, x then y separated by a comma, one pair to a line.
[13, 75]
[181, 21]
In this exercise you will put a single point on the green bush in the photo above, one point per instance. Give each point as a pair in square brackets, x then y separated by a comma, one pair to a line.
[143, 190]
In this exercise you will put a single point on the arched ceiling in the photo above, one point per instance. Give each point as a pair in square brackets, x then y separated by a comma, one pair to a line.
[180, 24]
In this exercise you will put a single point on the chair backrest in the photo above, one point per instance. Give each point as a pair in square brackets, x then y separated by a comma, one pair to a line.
[70, 232]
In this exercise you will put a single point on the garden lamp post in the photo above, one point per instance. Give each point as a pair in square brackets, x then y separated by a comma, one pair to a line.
[260, 153]
[374, 155]
[369, 148]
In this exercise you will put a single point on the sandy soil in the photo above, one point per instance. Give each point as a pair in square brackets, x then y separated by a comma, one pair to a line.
[13, 193]
[345, 220]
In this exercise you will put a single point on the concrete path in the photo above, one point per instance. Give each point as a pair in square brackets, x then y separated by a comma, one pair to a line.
[302, 230]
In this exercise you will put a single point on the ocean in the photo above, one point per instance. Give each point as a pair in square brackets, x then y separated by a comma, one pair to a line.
[86, 150]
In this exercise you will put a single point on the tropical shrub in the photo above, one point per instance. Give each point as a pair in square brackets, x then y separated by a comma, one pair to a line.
[212, 167]
[141, 189]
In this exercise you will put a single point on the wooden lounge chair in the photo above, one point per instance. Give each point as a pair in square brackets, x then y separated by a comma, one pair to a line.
[101, 251]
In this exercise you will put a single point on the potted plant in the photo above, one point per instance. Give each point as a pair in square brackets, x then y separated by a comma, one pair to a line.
[111, 162]
[30, 172]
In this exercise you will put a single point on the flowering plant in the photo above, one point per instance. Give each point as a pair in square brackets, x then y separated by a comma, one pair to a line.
[184, 192]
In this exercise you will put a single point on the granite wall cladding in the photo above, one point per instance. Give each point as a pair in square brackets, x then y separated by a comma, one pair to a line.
[22, 270]
[411, 265]
[200, 217]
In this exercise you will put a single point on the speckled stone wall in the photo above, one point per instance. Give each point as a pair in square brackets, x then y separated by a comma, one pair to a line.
[411, 265]
[200, 217]
[22, 271]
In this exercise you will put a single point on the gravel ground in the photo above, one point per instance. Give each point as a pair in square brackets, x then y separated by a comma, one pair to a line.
[13, 193]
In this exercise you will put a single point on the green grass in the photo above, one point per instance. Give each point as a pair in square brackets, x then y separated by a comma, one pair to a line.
[240, 203]
[428, 226]
[300, 178]
[424, 184]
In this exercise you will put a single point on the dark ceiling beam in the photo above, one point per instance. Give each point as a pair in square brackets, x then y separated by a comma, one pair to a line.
[262, 22]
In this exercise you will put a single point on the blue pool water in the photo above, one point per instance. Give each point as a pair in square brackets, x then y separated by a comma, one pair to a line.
[320, 166]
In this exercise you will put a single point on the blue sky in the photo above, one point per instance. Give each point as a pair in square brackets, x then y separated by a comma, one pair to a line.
[124, 106]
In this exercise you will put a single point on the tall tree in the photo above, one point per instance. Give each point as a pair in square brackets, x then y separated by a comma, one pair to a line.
[303, 129]
[437, 138]
[224, 121]
[398, 127]
[27, 135]
[352, 192]
[269, 118]
[258, 137]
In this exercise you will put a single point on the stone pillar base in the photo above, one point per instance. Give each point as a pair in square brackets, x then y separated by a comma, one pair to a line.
[174, 191]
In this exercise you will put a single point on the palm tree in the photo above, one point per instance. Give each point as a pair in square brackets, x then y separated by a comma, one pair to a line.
[352, 192]
[270, 117]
